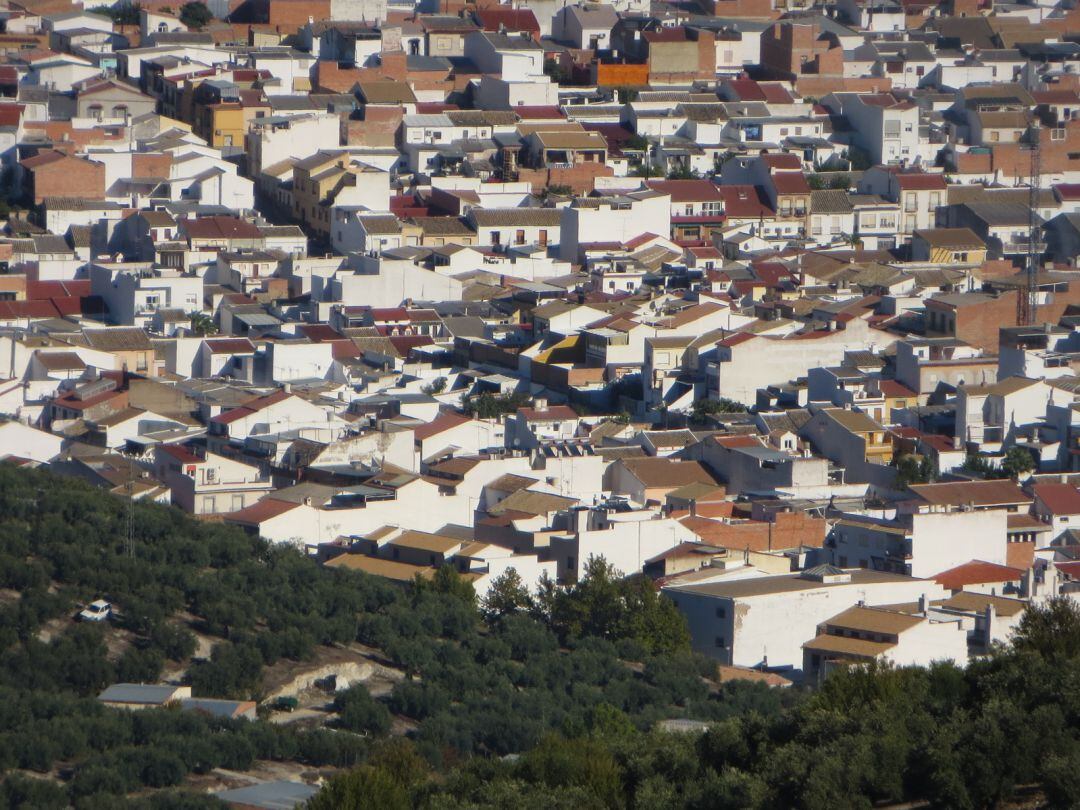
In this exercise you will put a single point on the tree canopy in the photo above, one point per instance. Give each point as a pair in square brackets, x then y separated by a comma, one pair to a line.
[573, 681]
[195, 14]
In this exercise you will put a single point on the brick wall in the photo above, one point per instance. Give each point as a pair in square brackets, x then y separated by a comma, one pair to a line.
[294, 13]
[622, 75]
[73, 178]
[332, 78]
[151, 164]
[581, 178]
[820, 86]
[1060, 153]
[790, 529]
[757, 9]
[379, 127]
[979, 325]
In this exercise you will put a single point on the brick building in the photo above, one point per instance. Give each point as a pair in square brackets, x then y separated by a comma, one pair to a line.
[53, 174]
[793, 49]
[680, 54]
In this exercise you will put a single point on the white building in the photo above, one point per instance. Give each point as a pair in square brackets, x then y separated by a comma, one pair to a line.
[764, 621]
[863, 635]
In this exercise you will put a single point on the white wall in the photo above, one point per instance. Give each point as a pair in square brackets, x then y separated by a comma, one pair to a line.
[774, 626]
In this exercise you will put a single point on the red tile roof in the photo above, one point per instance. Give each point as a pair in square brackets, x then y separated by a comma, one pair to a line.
[40, 290]
[441, 423]
[975, 493]
[43, 158]
[1068, 191]
[920, 181]
[550, 414]
[1056, 96]
[976, 572]
[434, 108]
[389, 314]
[220, 228]
[782, 160]
[181, 454]
[406, 343]
[1059, 499]
[737, 441]
[673, 34]
[495, 18]
[319, 332]
[747, 89]
[260, 512]
[1069, 569]
[776, 93]
[735, 339]
[773, 273]
[684, 191]
[10, 310]
[250, 407]
[892, 388]
[791, 183]
[530, 112]
[745, 202]
[71, 403]
[10, 114]
[230, 346]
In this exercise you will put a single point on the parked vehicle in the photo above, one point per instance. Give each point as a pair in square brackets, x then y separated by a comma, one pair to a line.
[97, 611]
[286, 704]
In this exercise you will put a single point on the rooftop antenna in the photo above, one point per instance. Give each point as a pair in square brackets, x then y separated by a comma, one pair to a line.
[1026, 302]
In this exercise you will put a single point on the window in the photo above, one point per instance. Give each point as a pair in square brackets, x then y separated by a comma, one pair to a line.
[120, 111]
[519, 237]
[209, 504]
[721, 613]
[496, 238]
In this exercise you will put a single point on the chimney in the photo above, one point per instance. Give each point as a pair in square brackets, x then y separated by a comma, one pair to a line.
[923, 604]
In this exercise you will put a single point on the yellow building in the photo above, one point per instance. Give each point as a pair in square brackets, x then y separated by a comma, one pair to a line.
[948, 246]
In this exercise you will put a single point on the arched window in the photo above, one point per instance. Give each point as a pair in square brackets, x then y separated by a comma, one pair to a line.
[94, 111]
[120, 111]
